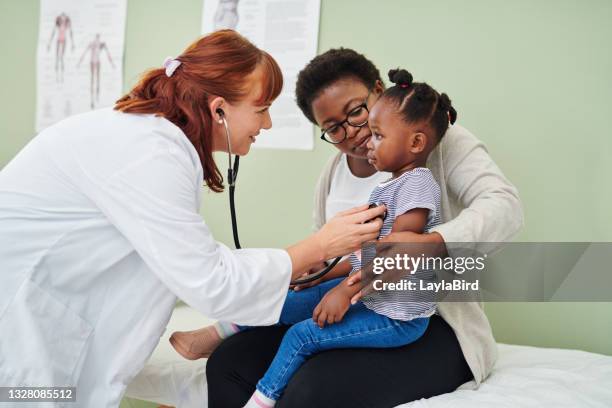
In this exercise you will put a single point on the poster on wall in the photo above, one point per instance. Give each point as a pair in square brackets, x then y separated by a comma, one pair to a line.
[288, 30]
[79, 57]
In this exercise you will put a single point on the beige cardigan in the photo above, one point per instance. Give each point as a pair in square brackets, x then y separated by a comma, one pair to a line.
[478, 205]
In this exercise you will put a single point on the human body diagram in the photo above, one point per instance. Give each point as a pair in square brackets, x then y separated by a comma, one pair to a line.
[226, 15]
[63, 26]
[95, 48]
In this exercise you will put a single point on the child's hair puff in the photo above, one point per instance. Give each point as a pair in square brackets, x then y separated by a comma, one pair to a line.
[419, 102]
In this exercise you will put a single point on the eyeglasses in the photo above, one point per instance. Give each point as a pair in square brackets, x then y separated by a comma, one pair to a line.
[357, 117]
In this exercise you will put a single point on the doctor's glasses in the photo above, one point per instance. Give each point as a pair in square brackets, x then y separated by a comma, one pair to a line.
[356, 117]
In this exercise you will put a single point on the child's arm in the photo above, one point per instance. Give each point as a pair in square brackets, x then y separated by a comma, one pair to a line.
[337, 301]
[414, 220]
[341, 269]
[431, 244]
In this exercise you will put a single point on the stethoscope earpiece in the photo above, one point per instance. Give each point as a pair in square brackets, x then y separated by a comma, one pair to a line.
[222, 114]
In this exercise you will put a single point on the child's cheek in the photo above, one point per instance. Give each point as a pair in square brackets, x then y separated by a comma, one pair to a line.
[376, 143]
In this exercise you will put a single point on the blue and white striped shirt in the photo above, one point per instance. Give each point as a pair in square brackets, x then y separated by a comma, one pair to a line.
[416, 188]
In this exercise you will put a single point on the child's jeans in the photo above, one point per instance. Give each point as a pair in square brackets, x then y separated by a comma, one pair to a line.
[360, 328]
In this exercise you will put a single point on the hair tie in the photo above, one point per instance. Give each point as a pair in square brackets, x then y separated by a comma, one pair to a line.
[404, 85]
[171, 64]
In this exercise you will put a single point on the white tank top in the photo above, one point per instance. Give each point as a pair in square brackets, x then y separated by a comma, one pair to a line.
[347, 190]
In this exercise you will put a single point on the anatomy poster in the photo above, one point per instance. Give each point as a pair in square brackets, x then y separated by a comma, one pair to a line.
[79, 57]
[288, 30]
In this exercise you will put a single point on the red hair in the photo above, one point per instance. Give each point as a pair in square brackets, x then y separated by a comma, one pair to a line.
[216, 64]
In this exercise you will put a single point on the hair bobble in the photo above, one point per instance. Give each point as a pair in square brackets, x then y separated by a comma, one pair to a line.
[171, 64]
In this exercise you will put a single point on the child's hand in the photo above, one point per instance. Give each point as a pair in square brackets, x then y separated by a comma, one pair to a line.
[333, 306]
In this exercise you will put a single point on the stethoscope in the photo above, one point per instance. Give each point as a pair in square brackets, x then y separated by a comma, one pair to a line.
[232, 174]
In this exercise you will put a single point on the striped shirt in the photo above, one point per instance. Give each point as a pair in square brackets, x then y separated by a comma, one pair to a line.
[416, 188]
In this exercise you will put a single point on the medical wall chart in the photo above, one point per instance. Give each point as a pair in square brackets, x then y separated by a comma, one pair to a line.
[288, 30]
[79, 57]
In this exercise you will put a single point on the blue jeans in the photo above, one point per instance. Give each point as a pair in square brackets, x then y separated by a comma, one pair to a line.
[360, 328]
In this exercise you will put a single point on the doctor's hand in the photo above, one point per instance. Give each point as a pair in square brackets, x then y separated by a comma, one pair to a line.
[349, 229]
[341, 235]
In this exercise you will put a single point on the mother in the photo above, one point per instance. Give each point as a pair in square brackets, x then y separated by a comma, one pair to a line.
[478, 205]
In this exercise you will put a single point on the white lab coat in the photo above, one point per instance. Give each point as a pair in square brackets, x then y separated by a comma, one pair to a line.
[99, 234]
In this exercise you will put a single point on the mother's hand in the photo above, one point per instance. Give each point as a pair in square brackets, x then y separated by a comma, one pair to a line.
[348, 230]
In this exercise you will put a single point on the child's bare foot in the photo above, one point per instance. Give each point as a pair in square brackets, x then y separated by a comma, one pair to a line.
[197, 343]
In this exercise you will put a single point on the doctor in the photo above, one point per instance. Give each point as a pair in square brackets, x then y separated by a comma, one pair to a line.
[100, 230]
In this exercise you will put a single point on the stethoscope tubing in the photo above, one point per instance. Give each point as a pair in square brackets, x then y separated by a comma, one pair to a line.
[232, 175]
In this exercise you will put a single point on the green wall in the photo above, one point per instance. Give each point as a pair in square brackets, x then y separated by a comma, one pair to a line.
[530, 78]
